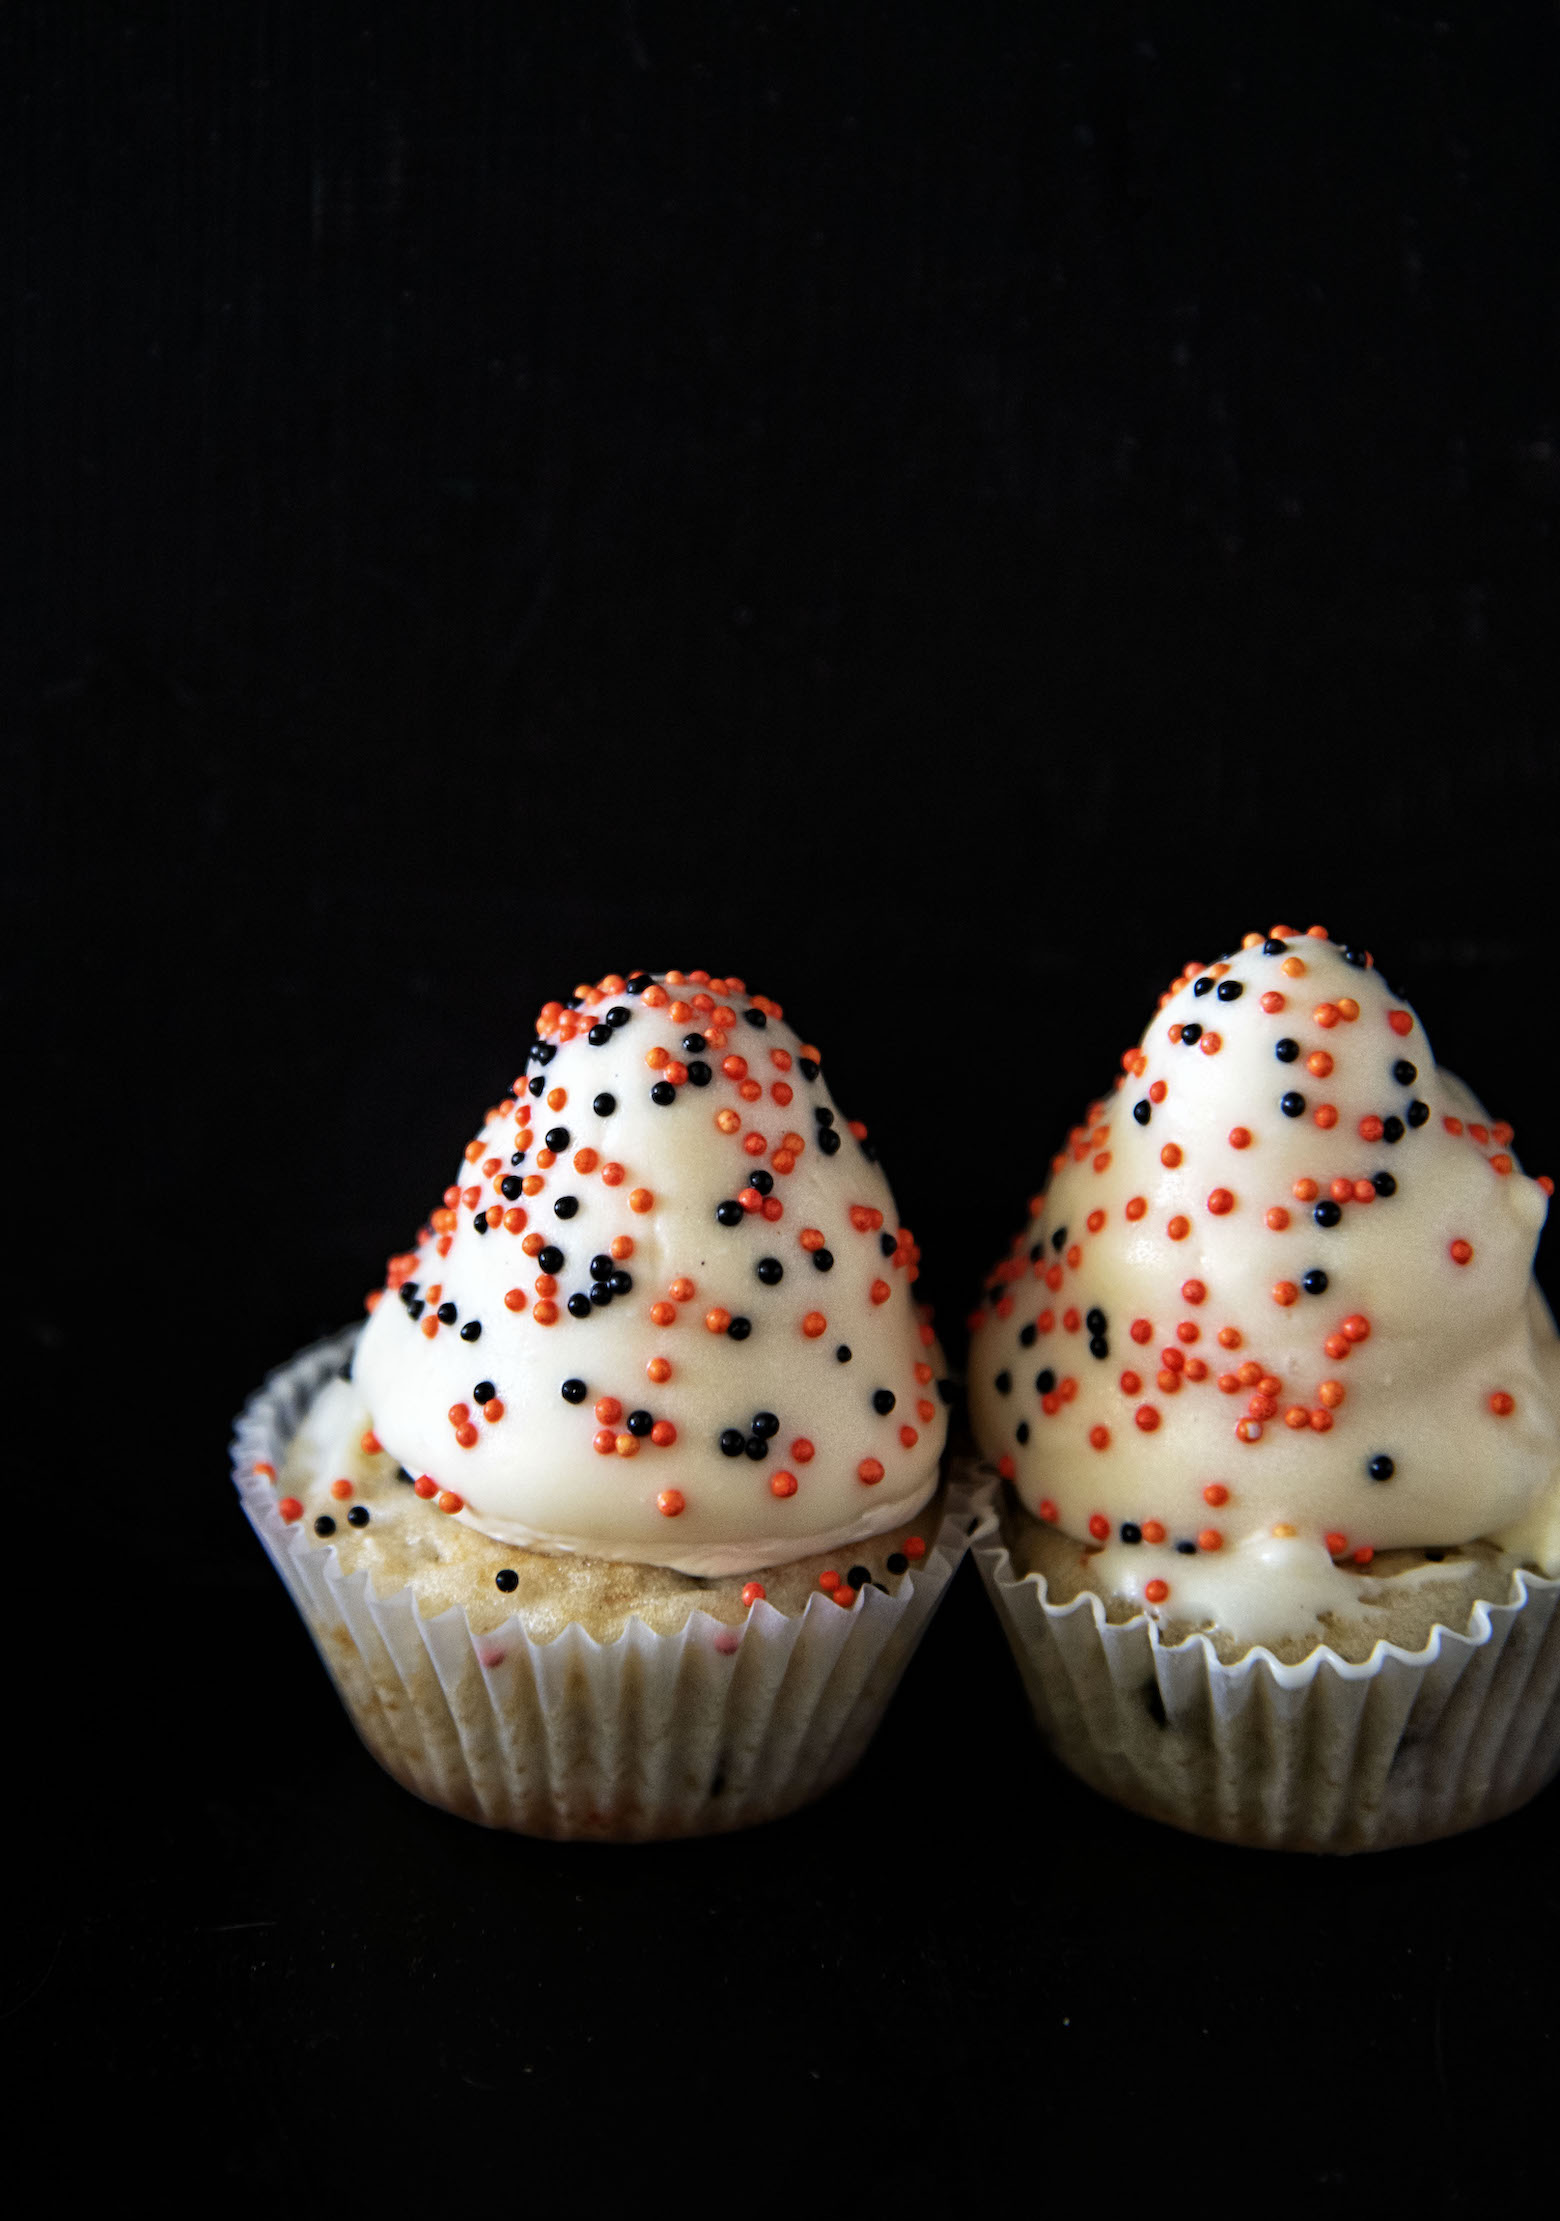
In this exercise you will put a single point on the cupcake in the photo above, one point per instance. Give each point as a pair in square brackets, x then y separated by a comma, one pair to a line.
[1275, 1403]
[622, 1514]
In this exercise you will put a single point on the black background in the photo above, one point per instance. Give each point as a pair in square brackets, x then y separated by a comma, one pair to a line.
[947, 512]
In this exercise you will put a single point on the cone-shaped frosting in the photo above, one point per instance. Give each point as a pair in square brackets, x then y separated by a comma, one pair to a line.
[664, 1313]
[1274, 1312]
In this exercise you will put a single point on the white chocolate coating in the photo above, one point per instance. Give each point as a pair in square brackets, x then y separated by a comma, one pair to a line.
[1426, 1354]
[554, 1474]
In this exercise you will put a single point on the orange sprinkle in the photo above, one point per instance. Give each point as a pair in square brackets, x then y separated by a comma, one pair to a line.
[1170, 1154]
[1136, 1206]
[641, 1200]
[1229, 1337]
[1357, 1328]
[626, 1446]
[1305, 1191]
[1272, 1002]
[1179, 1228]
[783, 1484]
[557, 1097]
[659, 1369]
[663, 1314]
[290, 1509]
[1099, 1438]
[448, 1501]
[802, 1450]
[1221, 1202]
[663, 1433]
[1156, 1591]
[671, 1500]
[1461, 1252]
[341, 1490]
[1332, 1393]
[612, 1175]
[717, 1319]
[682, 1290]
[869, 1472]
[545, 1314]
[493, 1410]
[1293, 967]
[1146, 1417]
[1158, 1092]
[880, 1291]
[1501, 1404]
[1210, 1539]
[425, 1486]
[814, 1324]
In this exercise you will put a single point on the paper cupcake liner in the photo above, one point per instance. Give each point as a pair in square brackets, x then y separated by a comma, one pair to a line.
[1326, 1755]
[649, 1735]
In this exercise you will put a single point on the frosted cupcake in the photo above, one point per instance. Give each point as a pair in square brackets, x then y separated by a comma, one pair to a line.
[1276, 1402]
[623, 1513]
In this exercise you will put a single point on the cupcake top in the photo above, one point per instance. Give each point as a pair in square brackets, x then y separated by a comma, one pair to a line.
[664, 1311]
[1275, 1312]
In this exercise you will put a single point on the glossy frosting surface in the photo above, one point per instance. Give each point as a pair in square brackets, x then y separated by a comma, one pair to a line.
[1275, 1310]
[665, 1311]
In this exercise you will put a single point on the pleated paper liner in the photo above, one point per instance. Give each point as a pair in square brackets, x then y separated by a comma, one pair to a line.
[1325, 1755]
[647, 1736]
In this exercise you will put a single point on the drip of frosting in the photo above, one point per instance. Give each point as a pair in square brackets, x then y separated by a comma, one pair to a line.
[664, 1312]
[1275, 1310]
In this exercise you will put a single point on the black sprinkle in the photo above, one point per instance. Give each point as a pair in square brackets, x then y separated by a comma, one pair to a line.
[1357, 958]
[448, 1314]
[828, 1141]
[1059, 1239]
[618, 1016]
[639, 1422]
[1026, 1339]
[1274, 948]
[636, 985]
[1098, 1346]
[1392, 1129]
[808, 1067]
[770, 1271]
[740, 1329]
[1286, 1050]
[1231, 990]
[566, 1206]
[324, 1525]
[823, 1260]
[549, 1259]
[509, 1187]
[1003, 1382]
[1021, 1432]
[358, 1516]
[1327, 1214]
[822, 1114]
[599, 1036]
[579, 1306]
[1143, 1111]
[604, 1105]
[1292, 1105]
[1191, 1034]
[1383, 1183]
[1189, 1549]
[574, 1391]
[765, 1423]
[729, 1213]
[480, 1222]
[506, 1579]
[887, 1244]
[763, 1181]
[756, 1447]
[1204, 987]
[694, 1044]
[471, 1331]
[1094, 1320]
[557, 1138]
[1380, 1467]
[1314, 1283]
[535, 1084]
[842, 1353]
[1131, 1531]
[484, 1392]
[896, 1562]
[1417, 1113]
[859, 1576]
[699, 1073]
[663, 1093]
[731, 1441]
[1405, 1073]
[883, 1400]
[1045, 1381]
[755, 1018]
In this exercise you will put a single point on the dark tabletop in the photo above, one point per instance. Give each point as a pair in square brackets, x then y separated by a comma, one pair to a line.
[949, 512]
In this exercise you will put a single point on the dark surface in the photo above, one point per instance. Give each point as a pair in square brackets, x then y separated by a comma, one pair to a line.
[949, 513]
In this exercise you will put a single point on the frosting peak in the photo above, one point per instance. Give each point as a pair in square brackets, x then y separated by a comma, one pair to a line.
[1279, 1287]
[664, 1310]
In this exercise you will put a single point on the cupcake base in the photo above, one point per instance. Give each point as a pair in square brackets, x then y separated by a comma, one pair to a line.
[649, 1735]
[1320, 1755]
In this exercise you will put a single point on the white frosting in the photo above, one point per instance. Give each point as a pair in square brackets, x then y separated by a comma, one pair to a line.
[1398, 1358]
[536, 1477]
